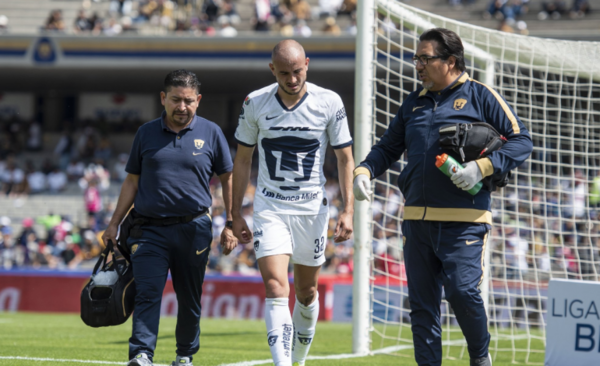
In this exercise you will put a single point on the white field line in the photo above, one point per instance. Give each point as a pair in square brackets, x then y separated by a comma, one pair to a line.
[66, 360]
[244, 363]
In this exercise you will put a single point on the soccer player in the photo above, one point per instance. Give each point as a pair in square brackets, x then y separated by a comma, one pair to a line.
[291, 121]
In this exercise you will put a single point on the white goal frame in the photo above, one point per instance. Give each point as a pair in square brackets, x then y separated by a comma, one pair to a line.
[541, 56]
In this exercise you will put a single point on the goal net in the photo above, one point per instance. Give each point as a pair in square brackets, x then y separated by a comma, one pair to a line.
[545, 221]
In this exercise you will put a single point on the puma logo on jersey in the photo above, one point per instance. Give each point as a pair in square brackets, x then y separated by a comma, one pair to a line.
[198, 252]
[289, 128]
[417, 107]
[469, 242]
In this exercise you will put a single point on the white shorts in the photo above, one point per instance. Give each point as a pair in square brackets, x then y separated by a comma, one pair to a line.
[302, 236]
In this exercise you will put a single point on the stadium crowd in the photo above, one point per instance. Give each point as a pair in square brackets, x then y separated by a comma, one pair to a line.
[84, 161]
[543, 230]
[206, 18]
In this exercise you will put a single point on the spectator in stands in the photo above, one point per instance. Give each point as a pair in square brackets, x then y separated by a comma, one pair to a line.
[301, 29]
[34, 137]
[91, 198]
[112, 28]
[210, 10]
[246, 263]
[36, 181]
[3, 24]
[554, 9]
[63, 150]
[331, 27]
[26, 230]
[127, 25]
[55, 21]
[300, 8]
[75, 170]
[119, 172]
[120, 7]
[262, 15]
[495, 9]
[82, 24]
[348, 7]
[57, 180]
[96, 24]
[329, 8]
[70, 253]
[226, 29]
[228, 8]
[13, 179]
[352, 30]
[580, 9]
[10, 254]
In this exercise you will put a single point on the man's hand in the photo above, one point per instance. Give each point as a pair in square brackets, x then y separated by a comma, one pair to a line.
[362, 187]
[343, 228]
[241, 230]
[228, 240]
[466, 178]
[111, 234]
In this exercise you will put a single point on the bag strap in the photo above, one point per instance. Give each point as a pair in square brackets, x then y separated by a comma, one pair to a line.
[103, 257]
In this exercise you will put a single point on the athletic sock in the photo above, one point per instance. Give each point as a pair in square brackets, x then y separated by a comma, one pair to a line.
[305, 322]
[279, 330]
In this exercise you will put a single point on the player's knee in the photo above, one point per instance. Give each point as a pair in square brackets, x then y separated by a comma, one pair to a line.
[306, 294]
[275, 289]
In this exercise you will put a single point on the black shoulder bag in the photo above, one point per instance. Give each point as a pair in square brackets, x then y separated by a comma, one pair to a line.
[109, 297]
[472, 141]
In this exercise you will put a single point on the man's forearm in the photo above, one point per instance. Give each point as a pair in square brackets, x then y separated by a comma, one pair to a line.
[226, 186]
[241, 177]
[345, 168]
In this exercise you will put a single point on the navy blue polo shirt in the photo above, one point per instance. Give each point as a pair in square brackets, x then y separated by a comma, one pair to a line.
[175, 168]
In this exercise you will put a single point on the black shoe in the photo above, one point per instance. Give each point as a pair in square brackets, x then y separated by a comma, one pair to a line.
[483, 361]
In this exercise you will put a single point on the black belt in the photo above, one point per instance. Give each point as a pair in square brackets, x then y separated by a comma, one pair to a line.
[166, 221]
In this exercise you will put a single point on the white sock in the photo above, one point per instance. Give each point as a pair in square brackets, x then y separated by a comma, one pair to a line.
[279, 330]
[305, 322]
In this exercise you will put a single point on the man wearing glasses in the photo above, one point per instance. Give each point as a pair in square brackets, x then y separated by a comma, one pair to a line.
[445, 227]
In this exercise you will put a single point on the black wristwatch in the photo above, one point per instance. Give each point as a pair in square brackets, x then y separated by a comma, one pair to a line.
[229, 224]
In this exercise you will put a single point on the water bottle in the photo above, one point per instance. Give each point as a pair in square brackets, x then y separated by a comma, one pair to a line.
[449, 166]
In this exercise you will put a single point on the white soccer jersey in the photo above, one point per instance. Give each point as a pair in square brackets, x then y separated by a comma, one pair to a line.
[291, 146]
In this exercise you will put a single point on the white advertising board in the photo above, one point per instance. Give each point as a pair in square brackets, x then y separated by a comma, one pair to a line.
[573, 323]
[117, 107]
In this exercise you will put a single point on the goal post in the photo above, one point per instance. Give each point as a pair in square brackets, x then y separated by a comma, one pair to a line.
[545, 221]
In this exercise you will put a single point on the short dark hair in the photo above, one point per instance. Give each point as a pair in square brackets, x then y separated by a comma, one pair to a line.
[449, 44]
[183, 78]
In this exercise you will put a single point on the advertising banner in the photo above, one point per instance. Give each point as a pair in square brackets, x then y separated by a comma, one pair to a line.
[223, 296]
[573, 333]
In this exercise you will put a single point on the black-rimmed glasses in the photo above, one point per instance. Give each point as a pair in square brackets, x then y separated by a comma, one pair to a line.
[423, 59]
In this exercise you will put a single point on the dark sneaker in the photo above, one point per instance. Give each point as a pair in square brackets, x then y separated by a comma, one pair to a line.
[140, 360]
[182, 361]
[483, 361]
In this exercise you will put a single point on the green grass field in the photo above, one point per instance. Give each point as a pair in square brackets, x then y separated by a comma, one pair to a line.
[63, 340]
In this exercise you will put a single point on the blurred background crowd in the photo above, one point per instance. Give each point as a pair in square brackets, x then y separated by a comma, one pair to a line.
[301, 18]
[84, 169]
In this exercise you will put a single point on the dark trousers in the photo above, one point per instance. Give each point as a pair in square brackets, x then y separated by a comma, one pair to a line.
[184, 249]
[448, 254]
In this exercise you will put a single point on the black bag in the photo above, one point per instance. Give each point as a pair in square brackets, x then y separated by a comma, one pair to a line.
[109, 297]
[472, 141]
